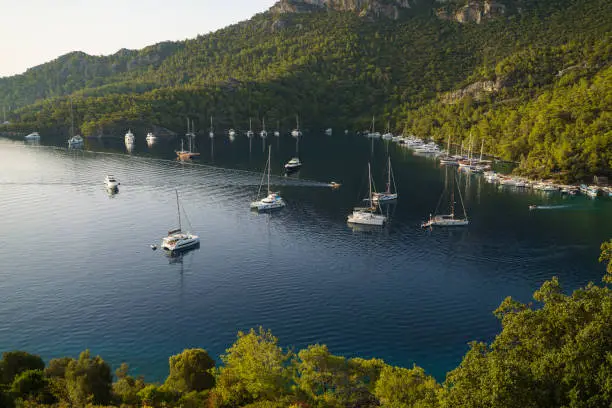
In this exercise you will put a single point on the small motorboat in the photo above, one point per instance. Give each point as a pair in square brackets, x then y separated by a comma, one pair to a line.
[293, 164]
[533, 207]
[111, 182]
[334, 185]
[153, 247]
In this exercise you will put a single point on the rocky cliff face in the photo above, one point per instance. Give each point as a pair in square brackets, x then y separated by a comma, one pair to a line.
[475, 11]
[365, 8]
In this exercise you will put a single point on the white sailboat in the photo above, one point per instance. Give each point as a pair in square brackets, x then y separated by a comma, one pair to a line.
[296, 132]
[129, 137]
[388, 135]
[75, 141]
[277, 131]
[273, 200]
[373, 134]
[150, 139]
[388, 194]
[448, 220]
[211, 133]
[367, 215]
[263, 132]
[177, 240]
[249, 133]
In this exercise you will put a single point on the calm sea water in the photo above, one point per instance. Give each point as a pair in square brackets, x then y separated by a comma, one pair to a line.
[77, 271]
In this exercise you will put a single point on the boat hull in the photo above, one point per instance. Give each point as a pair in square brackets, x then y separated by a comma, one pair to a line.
[180, 244]
[259, 206]
[384, 197]
[366, 218]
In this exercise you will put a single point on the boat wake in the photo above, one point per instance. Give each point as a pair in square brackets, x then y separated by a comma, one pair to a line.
[553, 207]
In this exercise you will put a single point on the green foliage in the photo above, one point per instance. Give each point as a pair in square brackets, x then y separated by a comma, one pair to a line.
[157, 396]
[557, 355]
[88, 380]
[606, 255]
[548, 61]
[403, 388]
[328, 380]
[126, 388]
[14, 363]
[191, 371]
[31, 385]
[255, 369]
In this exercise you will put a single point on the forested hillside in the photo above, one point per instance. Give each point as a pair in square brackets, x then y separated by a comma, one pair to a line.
[533, 82]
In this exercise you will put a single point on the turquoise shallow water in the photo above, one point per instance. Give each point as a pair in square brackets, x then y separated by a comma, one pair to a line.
[77, 271]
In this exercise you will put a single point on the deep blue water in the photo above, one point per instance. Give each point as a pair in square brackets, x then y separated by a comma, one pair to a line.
[77, 271]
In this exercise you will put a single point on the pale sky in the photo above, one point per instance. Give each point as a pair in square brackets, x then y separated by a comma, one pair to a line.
[33, 32]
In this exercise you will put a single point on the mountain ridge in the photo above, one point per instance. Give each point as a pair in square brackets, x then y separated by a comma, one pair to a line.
[342, 65]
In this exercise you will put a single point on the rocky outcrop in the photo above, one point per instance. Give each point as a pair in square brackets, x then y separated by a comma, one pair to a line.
[365, 8]
[477, 90]
[475, 11]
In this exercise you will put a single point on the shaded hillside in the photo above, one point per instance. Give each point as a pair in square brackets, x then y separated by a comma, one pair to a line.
[413, 71]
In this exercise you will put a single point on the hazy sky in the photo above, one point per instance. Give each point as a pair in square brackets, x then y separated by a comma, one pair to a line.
[36, 31]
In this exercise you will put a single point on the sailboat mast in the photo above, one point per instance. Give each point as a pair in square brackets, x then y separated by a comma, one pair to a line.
[370, 183]
[71, 119]
[389, 178]
[452, 200]
[178, 209]
[481, 148]
[269, 152]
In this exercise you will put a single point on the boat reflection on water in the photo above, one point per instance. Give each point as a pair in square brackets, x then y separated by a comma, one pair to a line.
[176, 257]
[366, 228]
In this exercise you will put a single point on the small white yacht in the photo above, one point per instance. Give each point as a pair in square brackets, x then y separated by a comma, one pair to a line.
[296, 132]
[367, 215]
[273, 200]
[32, 136]
[129, 137]
[328, 131]
[293, 164]
[177, 240]
[75, 141]
[111, 182]
[389, 194]
[211, 132]
[150, 138]
[231, 133]
[448, 220]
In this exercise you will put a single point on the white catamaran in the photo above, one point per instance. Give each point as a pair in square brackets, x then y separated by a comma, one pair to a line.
[367, 215]
[177, 240]
[273, 200]
[388, 194]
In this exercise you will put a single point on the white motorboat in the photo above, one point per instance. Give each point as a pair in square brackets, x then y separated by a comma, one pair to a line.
[32, 136]
[273, 200]
[389, 194]
[328, 131]
[263, 132]
[177, 240]
[448, 220]
[231, 133]
[293, 164]
[296, 132]
[129, 137]
[367, 215]
[111, 182]
[75, 141]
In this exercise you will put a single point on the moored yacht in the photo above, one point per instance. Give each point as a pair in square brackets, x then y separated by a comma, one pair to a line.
[448, 220]
[273, 200]
[367, 215]
[293, 164]
[389, 194]
[150, 138]
[32, 136]
[177, 240]
[111, 182]
[129, 137]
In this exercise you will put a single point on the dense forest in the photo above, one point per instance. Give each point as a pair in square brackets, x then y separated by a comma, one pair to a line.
[533, 84]
[555, 353]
